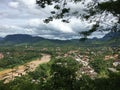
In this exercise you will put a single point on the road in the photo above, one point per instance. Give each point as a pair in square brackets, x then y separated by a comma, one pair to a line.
[10, 74]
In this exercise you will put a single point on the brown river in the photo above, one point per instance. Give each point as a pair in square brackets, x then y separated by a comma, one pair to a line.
[10, 74]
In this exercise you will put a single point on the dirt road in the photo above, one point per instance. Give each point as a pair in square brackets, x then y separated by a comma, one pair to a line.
[10, 74]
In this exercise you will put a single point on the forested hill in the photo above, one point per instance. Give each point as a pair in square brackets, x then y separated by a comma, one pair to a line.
[22, 38]
[109, 39]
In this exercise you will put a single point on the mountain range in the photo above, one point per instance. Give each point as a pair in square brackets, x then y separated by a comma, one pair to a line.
[112, 38]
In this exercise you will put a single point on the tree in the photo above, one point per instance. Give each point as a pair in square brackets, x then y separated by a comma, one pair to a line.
[95, 12]
[100, 66]
[21, 83]
[63, 72]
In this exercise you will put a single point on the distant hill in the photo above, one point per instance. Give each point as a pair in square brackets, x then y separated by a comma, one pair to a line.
[22, 38]
[111, 35]
[112, 38]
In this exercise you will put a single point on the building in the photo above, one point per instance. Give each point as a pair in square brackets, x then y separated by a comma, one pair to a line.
[1, 56]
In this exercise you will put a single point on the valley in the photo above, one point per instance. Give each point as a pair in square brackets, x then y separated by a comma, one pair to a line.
[42, 64]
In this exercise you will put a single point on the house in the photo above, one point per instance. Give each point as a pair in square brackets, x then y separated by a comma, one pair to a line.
[108, 57]
[116, 63]
[112, 69]
[78, 59]
[116, 56]
[1, 55]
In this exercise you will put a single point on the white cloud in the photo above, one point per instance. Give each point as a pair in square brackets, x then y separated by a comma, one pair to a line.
[35, 22]
[63, 27]
[29, 4]
[14, 4]
[25, 17]
[9, 29]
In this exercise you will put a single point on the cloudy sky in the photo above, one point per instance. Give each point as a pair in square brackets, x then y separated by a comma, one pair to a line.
[25, 17]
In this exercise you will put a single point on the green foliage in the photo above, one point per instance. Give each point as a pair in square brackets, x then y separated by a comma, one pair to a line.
[85, 83]
[17, 57]
[111, 6]
[2, 86]
[111, 83]
[118, 67]
[22, 83]
[42, 72]
[99, 65]
[63, 73]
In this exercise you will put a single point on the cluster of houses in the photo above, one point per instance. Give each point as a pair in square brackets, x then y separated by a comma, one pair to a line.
[108, 57]
[69, 53]
[84, 59]
[116, 60]
[85, 69]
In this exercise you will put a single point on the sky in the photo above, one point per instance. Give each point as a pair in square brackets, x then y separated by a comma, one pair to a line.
[26, 17]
